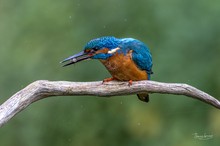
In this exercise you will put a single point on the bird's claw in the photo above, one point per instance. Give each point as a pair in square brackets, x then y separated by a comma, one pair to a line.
[108, 80]
[130, 83]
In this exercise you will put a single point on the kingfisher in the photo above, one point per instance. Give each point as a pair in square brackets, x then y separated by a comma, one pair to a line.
[126, 59]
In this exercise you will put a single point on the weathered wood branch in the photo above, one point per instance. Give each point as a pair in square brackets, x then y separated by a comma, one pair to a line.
[43, 89]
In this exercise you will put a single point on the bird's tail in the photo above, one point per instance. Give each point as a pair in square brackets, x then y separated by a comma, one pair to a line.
[143, 97]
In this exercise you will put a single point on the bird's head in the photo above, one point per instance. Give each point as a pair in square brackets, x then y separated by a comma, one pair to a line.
[100, 48]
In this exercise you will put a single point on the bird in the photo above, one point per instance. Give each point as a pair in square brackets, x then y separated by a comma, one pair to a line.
[126, 59]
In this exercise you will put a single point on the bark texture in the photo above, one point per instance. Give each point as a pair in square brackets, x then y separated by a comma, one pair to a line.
[43, 89]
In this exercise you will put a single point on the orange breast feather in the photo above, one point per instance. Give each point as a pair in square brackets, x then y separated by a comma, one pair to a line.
[123, 68]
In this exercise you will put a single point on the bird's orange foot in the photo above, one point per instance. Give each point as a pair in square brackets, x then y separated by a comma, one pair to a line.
[130, 82]
[108, 80]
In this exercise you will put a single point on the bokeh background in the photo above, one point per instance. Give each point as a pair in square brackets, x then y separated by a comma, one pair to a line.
[184, 38]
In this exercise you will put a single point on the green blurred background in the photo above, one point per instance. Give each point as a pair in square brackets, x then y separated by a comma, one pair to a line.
[184, 38]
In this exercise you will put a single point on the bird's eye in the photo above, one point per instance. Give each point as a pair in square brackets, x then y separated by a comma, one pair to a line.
[95, 49]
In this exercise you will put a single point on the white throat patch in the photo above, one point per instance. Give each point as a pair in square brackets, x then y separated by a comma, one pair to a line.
[113, 50]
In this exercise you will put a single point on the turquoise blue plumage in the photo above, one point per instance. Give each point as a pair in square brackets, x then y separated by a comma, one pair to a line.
[127, 59]
[141, 54]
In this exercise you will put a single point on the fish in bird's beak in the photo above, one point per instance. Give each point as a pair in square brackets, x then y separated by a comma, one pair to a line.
[77, 58]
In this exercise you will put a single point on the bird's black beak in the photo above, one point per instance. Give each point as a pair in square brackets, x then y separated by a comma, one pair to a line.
[77, 58]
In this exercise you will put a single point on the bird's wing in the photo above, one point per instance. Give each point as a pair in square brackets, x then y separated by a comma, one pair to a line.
[140, 55]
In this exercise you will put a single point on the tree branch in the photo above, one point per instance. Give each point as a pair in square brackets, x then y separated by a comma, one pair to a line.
[43, 89]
